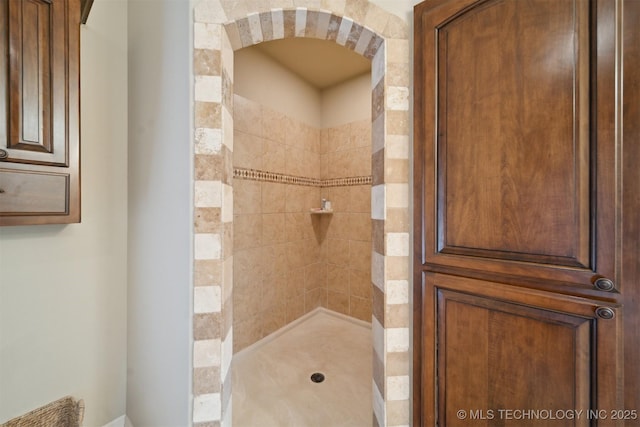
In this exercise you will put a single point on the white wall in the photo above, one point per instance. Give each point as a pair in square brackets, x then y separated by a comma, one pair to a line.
[347, 102]
[160, 216]
[261, 79]
[63, 288]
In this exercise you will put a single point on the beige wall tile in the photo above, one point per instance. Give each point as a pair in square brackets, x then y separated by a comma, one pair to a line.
[273, 197]
[397, 220]
[248, 268]
[396, 170]
[324, 166]
[398, 316]
[206, 326]
[208, 167]
[397, 268]
[360, 255]
[360, 134]
[360, 199]
[275, 261]
[398, 413]
[295, 198]
[360, 308]
[247, 151]
[360, 284]
[274, 125]
[294, 133]
[398, 364]
[273, 228]
[357, 9]
[274, 319]
[272, 294]
[206, 62]
[315, 298]
[336, 6]
[398, 123]
[338, 301]
[247, 116]
[359, 227]
[340, 198]
[339, 226]
[360, 161]
[294, 161]
[206, 380]
[207, 115]
[311, 251]
[207, 220]
[338, 138]
[296, 227]
[324, 141]
[295, 284]
[246, 332]
[248, 231]
[315, 276]
[247, 197]
[296, 254]
[274, 155]
[247, 303]
[338, 279]
[338, 252]
[294, 309]
[207, 272]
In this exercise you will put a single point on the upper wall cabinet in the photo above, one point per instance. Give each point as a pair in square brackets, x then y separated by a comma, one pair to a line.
[39, 112]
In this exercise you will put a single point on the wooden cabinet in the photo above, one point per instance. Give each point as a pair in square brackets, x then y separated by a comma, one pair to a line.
[526, 268]
[39, 102]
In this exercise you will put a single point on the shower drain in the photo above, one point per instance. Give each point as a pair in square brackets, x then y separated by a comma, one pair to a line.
[317, 377]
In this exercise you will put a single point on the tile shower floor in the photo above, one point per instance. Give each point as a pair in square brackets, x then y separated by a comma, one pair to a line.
[271, 379]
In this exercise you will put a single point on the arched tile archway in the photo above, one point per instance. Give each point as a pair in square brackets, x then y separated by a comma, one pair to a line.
[220, 28]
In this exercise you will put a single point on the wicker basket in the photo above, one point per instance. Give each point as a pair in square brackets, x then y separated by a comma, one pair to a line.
[65, 412]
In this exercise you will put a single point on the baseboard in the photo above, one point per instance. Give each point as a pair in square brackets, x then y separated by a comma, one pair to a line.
[122, 421]
[298, 321]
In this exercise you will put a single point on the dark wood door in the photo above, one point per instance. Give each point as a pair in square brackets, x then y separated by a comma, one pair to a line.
[526, 250]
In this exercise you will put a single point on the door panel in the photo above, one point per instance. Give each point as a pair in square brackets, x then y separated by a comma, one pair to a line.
[38, 74]
[506, 99]
[512, 135]
[504, 349]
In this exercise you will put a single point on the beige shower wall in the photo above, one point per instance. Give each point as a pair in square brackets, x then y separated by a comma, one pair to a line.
[346, 151]
[279, 270]
[288, 261]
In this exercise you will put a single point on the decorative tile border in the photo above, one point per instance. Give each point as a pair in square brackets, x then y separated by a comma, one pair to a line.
[346, 182]
[264, 176]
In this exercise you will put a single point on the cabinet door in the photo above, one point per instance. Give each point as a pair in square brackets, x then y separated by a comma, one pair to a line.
[519, 219]
[39, 106]
[37, 77]
[519, 357]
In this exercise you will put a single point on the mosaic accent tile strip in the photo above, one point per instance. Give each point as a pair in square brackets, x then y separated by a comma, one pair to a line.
[264, 176]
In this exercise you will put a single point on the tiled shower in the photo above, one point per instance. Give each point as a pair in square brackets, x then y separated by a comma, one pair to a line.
[288, 260]
[222, 27]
